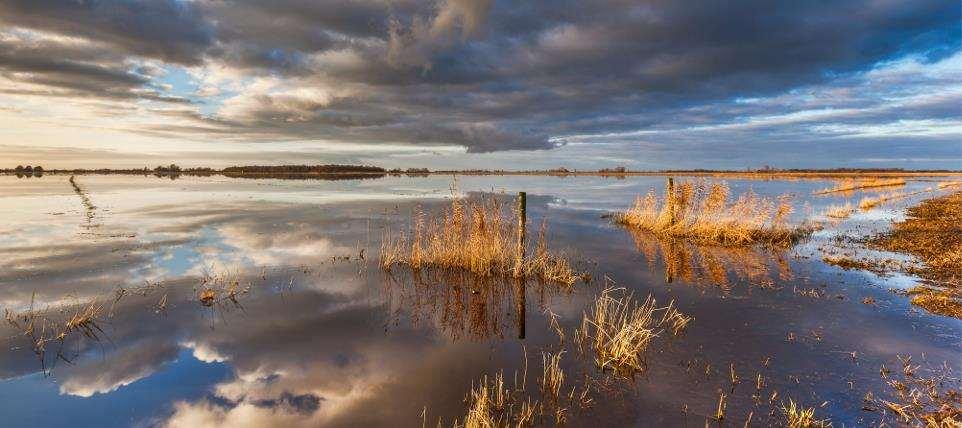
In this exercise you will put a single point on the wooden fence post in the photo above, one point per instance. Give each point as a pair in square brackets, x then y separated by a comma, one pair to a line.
[670, 200]
[522, 222]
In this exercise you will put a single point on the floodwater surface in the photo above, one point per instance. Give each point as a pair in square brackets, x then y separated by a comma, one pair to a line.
[307, 330]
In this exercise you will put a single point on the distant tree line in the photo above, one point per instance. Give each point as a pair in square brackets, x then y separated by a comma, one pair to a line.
[28, 171]
[304, 169]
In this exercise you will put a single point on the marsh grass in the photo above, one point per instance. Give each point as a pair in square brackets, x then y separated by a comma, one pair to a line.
[948, 184]
[702, 212]
[941, 301]
[921, 396]
[797, 416]
[43, 325]
[839, 211]
[848, 185]
[932, 233]
[475, 236]
[492, 404]
[619, 329]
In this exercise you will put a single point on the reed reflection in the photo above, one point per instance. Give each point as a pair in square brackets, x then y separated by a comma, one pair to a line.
[713, 265]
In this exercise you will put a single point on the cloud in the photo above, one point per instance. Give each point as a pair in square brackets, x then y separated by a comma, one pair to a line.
[487, 76]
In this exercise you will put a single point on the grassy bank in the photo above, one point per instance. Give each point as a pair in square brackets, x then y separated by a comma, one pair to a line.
[932, 232]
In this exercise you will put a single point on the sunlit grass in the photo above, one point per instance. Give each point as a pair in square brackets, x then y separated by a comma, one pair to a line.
[850, 184]
[476, 236]
[619, 330]
[839, 211]
[703, 213]
[797, 416]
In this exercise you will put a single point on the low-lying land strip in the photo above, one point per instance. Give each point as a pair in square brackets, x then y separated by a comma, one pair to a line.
[848, 185]
[932, 232]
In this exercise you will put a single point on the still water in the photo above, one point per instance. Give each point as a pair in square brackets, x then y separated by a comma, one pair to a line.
[314, 333]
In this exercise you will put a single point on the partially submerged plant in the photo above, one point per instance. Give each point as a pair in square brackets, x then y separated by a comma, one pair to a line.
[475, 236]
[797, 416]
[848, 185]
[619, 330]
[839, 211]
[702, 212]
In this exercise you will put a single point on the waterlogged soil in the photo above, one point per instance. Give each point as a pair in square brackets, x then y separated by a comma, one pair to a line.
[302, 328]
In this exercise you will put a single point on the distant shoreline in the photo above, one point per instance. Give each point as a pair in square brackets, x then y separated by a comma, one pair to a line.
[347, 172]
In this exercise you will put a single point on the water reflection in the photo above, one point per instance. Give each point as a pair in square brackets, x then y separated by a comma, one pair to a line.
[713, 265]
[322, 337]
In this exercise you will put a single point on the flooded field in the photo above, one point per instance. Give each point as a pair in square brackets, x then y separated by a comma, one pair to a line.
[215, 301]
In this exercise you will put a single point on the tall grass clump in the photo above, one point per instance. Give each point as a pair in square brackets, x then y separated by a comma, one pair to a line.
[703, 213]
[848, 185]
[475, 236]
[839, 211]
[797, 416]
[619, 330]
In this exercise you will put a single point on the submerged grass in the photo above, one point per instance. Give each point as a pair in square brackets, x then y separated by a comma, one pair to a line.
[475, 236]
[848, 185]
[619, 330]
[797, 416]
[839, 211]
[932, 232]
[703, 213]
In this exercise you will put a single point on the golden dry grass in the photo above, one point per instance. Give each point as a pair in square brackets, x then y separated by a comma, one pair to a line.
[941, 301]
[932, 233]
[839, 211]
[797, 416]
[619, 330]
[475, 236]
[921, 395]
[491, 404]
[848, 185]
[948, 184]
[702, 212]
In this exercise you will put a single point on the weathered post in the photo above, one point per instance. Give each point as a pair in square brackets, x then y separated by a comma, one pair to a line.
[522, 222]
[670, 201]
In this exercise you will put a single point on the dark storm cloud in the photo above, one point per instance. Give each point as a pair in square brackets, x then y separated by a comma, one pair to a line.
[484, 74]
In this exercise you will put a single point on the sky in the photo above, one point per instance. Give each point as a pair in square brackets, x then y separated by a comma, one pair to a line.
[497, 84]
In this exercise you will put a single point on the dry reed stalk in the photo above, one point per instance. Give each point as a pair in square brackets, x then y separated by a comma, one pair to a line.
[552, 377]
[948, 184]
[620, 330]
[850, 184]
[493, 405]
[797, 416]
[476, 236]
[702, 212]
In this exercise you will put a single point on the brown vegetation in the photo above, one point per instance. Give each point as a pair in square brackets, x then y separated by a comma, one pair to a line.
[930, 396]
[702, 212]
[797, 416]
[475, 236]
[855, 184]
[932, 232]
[839, 211]
[619, 330]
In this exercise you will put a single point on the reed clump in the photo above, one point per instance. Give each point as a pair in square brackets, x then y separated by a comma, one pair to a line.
[475, 236]
[848, 185]
[703, 213]
[619, 330]
[492, 404]
[839, 211]
[797, 416]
